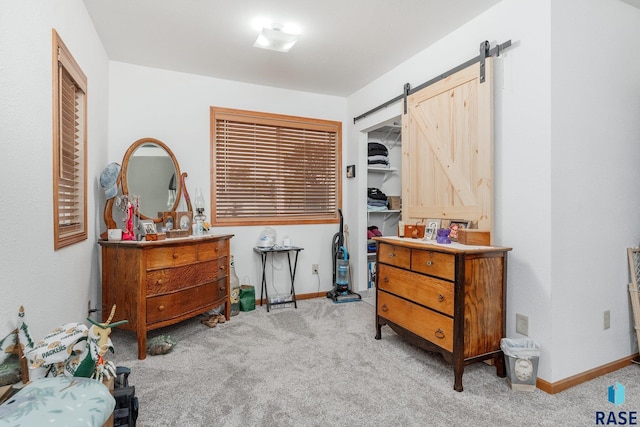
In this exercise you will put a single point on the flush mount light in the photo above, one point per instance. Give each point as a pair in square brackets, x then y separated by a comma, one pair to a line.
[277, 37]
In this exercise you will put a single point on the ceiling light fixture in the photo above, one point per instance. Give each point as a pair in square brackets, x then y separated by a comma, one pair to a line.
[277, 37]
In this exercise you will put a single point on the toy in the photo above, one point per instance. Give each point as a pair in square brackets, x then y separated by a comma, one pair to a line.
[71, 350]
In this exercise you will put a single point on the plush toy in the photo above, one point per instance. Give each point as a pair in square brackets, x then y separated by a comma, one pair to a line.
[72, 349]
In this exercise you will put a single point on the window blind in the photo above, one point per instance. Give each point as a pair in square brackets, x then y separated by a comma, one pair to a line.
[69, 147]
[274, 169]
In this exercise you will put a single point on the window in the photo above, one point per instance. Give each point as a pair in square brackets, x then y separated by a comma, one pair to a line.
[273, 169]
[69, 147]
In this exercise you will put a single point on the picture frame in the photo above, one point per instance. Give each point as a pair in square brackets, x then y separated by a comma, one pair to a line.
[455, 225]
[148, 226]
[168, 219]
[351, 171]
[431, 229]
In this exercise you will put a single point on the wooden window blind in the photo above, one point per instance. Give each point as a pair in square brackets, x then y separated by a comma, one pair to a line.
[273, 169]
[69, 147]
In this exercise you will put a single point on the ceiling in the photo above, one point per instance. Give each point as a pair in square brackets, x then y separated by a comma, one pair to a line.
[345, 44]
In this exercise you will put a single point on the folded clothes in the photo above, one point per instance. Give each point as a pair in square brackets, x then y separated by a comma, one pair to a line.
[375, 193]
[377, 158]
[375, 231]
[377, 205]
[375, 148]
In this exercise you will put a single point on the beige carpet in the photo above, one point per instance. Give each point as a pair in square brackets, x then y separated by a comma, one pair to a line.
[319, 365]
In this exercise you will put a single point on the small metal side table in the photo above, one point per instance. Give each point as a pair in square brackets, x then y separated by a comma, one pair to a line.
[264, 253]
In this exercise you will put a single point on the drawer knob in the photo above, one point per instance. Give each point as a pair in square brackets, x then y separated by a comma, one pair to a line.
[384, 308]
[159, 282]
[440, 298]
[429, 263]
[386, 279]
[439, 333]
[161, 308]
[175, 255]
[223, 287]
[391, 255]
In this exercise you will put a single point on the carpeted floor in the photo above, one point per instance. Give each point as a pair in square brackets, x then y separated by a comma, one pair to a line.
[319, 365]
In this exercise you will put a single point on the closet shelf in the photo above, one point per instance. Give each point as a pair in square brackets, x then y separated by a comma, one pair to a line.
[386, 211]
[381, 170]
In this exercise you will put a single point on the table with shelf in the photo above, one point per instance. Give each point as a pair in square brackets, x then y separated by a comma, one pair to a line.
[264, 253]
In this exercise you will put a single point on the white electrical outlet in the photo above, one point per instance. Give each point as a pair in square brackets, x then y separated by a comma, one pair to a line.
[522, 324]
[606, 317]
[314, 268]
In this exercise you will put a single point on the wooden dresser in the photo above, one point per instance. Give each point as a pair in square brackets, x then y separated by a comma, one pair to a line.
[446, 299]
[159, 283]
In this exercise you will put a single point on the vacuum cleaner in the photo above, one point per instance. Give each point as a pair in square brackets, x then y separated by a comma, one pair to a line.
[341, 291]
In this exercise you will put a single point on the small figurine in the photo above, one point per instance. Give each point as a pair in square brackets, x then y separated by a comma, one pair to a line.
[443, 235]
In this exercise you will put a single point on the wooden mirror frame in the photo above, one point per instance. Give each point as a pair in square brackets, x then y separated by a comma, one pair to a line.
[121, 183]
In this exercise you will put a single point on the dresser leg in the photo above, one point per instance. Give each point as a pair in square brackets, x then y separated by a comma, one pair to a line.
[457, 373]
[500, 368]
[378, 329]
[142, 345]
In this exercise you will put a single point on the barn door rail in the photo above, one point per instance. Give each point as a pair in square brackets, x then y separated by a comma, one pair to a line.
[486, 51]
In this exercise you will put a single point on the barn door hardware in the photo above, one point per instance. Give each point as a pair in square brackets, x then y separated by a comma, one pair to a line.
[485, 52]
[407, 90]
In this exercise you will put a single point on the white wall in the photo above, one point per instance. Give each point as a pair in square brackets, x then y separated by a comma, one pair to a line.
[174, 108]
[595, 152]
[53, 286]
[566, 150]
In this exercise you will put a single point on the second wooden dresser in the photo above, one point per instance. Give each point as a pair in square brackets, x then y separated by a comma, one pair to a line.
[160, 283]
[447, 299]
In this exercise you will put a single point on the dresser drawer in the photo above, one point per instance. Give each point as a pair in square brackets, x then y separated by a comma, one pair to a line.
[169, 306]
[174, 279]
[434, 263]
[394, 255]
[213, 250]
[428, 324]
[428, 291]
[171, 256]
[221, 288]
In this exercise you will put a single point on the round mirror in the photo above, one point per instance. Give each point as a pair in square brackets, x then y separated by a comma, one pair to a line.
[150, 171]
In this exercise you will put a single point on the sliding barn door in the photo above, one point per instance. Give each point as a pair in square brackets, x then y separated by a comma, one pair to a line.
[447, 150]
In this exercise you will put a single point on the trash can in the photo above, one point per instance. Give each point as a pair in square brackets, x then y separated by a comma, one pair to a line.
[521, 358]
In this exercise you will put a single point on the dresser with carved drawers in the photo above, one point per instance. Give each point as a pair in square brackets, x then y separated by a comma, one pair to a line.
[448, 299]
[159, 283]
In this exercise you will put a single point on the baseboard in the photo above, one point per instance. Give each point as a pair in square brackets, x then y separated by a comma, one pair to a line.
[558, 386]
[298, 297]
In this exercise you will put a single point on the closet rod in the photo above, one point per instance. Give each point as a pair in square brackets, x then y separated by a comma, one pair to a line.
[484, 53]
